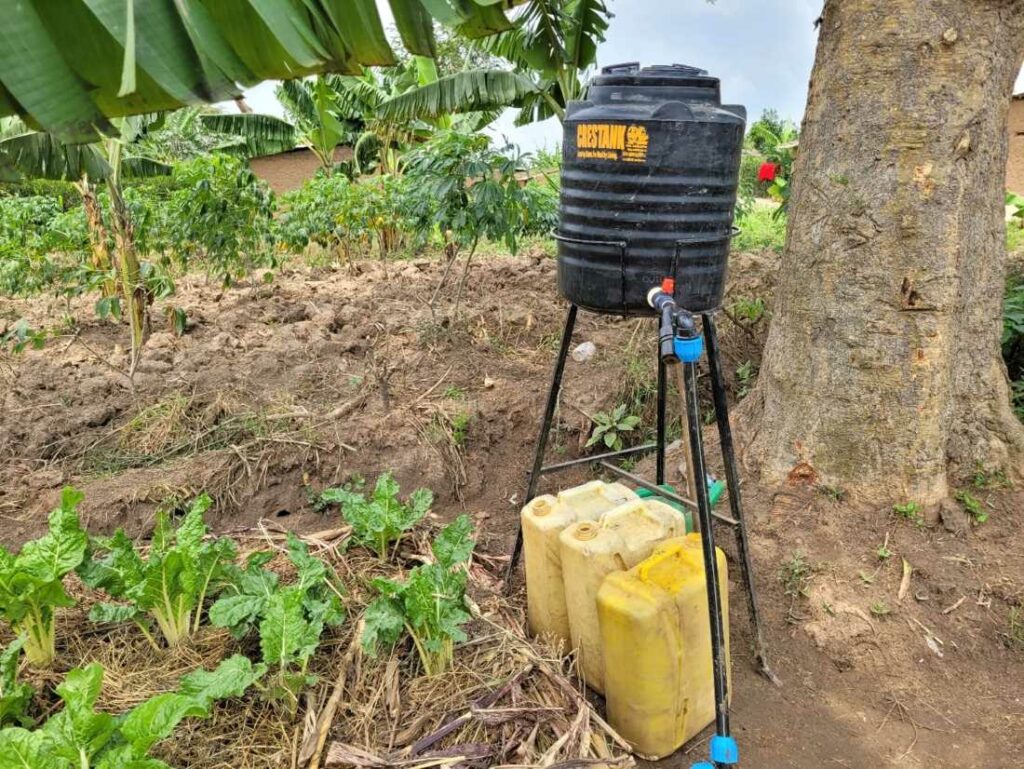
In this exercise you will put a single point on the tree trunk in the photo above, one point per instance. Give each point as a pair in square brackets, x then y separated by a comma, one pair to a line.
[882, 371]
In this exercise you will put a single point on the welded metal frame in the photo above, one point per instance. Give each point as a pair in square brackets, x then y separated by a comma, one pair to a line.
[687, 384]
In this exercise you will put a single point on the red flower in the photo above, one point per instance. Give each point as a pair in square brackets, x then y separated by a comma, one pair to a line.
[767, 172]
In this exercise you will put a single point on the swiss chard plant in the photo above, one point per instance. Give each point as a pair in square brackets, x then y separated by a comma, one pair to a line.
[291, 619]
[379, 520]
[429, 605]
[170, 585]
[81, 737]
[32, 582]
[15, 695]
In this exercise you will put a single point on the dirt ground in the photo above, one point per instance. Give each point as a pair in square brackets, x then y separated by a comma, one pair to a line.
[286, 388]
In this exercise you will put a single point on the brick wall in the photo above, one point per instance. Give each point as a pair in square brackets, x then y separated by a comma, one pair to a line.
[288, 170]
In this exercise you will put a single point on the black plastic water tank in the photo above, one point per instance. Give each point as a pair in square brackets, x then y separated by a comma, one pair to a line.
[649, 176]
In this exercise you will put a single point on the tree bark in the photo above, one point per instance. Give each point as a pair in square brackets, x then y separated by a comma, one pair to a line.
[882, 372]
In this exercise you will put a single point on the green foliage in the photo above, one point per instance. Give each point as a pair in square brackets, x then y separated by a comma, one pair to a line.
[746, 375]
[750, 310]
[314, 213]
[32, 582]
[760, 230]
[909, 511]
[291, 619]
[609, 428]
[880, 609]
[81, 737]
[989, 478]
[468, 190]
[15, 695]
[795, 576]
[222, 211]
[22, 336]
[429, 604]
[972, 506]
[1013, 340]
[379, 520]
[170, 585]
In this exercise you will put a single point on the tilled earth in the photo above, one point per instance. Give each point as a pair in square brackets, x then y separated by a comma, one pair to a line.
[279, 390]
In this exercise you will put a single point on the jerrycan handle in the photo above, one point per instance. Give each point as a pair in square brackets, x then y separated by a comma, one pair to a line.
[657, 559]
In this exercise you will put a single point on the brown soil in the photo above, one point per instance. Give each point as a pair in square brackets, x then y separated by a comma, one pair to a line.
[293, 386]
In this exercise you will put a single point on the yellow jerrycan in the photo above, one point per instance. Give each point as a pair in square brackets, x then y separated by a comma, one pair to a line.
[543, 519]
[657, 647]
[591, 550]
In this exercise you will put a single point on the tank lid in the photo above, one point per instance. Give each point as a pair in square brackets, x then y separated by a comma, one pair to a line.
[630, 73]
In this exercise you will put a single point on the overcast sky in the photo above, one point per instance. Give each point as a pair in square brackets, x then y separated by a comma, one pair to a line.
[762, 50]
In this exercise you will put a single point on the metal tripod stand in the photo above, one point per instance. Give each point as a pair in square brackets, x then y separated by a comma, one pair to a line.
[687, 387]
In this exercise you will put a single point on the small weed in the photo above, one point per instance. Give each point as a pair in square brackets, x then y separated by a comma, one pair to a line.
[883, 552]
[989, 478]
[750, 310]
[746, 373]
[909, 511]
[972, 506]
[608, 428]
[880, 609]
[796, 576]
[628, 463]
[460, 428]
[828, 608]
[835, 493]
[866, 578]
[454, 393]
[1015, 630]
[841, 179]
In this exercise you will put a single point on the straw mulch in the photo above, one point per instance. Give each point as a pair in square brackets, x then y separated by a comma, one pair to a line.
[508, 701]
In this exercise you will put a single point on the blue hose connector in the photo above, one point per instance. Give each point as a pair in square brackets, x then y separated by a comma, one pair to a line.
[688, 350]
[724, 750]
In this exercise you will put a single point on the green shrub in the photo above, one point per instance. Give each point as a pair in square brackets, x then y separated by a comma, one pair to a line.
[221, 214]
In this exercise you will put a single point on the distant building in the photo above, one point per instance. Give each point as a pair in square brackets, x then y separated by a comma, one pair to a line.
[1015, 156]
[285, 171]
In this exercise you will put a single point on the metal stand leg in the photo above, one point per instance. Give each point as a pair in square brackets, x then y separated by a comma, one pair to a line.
[662, 398]
[732, 480]
[542, 437]
[688, 384]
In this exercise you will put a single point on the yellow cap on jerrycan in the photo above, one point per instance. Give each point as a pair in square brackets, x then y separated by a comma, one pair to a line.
[543, 519]
[656, 640]
[591, 550]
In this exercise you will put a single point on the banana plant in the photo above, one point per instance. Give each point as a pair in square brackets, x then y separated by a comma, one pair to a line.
[72, 66]
[549, 51]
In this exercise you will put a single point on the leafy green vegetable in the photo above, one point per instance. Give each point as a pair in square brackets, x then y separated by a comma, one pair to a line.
[610, 427]
[291, 619]
[171, 585]
[15, 696]
[429, 605]
[32, 582]
[81, 736]
[380, 520]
